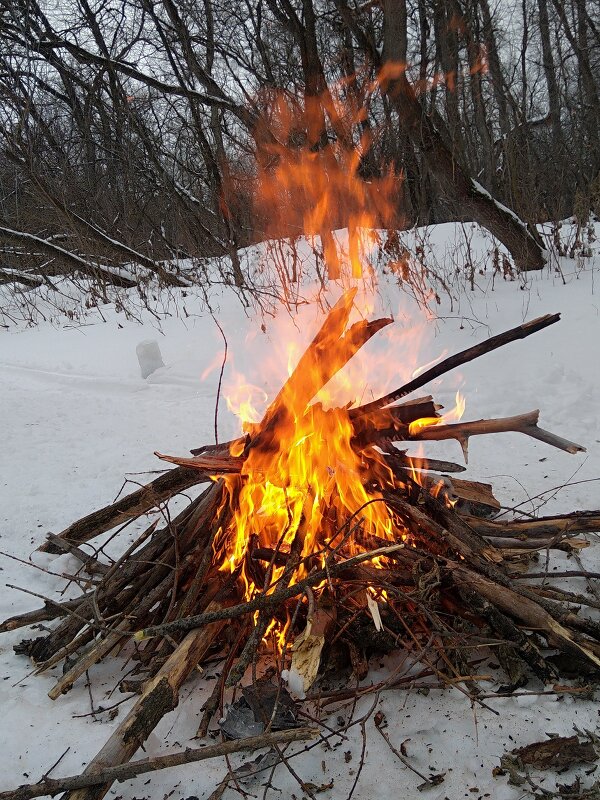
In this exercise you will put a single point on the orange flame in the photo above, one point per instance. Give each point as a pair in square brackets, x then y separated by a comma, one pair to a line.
[454, 415]
[304, 489]
[316, 187]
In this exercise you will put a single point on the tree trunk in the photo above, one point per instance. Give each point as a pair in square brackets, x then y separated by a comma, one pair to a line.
[466, 196]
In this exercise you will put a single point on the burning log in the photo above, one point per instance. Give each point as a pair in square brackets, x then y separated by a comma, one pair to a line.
[314, 528]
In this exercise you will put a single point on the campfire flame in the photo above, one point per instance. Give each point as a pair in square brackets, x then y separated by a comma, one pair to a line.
[309, 187]
[306, 487]
[304, 484]
[454, 415]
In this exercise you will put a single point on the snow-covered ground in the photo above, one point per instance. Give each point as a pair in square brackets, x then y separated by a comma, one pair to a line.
[78, 419]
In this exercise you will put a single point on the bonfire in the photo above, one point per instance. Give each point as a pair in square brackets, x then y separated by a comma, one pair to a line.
[318, 541]
[321, 537]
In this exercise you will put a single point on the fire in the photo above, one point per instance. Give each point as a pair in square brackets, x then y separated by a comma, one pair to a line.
[297, 497]
[454, 415]
[305, 186]
[306, 487]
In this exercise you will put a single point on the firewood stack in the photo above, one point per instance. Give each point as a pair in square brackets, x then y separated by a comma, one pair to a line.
[417, 562]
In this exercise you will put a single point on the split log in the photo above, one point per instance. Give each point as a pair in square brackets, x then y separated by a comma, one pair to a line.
[208, 465]
[473, 494]
[124, 772]
[576, 522]
[160, 695]
[476, 496]
[127, 508]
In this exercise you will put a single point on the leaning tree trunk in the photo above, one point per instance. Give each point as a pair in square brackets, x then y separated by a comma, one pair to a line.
[465, 194]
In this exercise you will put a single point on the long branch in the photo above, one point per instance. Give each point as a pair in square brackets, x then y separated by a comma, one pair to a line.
[123, 772]
[520, 332]
[264, 601]
[521, 423]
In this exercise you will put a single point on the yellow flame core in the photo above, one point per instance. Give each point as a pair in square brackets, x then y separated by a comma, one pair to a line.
[304, 491]
[454, 415]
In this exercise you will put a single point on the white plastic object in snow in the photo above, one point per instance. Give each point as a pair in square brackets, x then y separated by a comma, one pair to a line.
[149, 356]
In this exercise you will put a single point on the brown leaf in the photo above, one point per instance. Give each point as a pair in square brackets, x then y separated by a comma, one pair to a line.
[555, 753]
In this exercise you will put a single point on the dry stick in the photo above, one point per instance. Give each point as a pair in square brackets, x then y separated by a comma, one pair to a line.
[129, 507]
[522, 423]
[123, 772]
[220, 382]
[520, 332]
[155, 585]
[160, 695]
[399, 459]
[554, 593]
[90, 562]
[576, 522]
[263, 601]
[142, 601]
[97, 652]
[404, 760]
[559, 574]
[50, 610]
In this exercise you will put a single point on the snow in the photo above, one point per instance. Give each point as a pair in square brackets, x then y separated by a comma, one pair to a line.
[79, 419]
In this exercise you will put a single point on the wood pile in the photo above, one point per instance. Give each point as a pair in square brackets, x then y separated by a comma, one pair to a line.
[444, 579]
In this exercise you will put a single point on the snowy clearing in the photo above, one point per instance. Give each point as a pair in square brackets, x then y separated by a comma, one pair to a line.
[79, 419]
